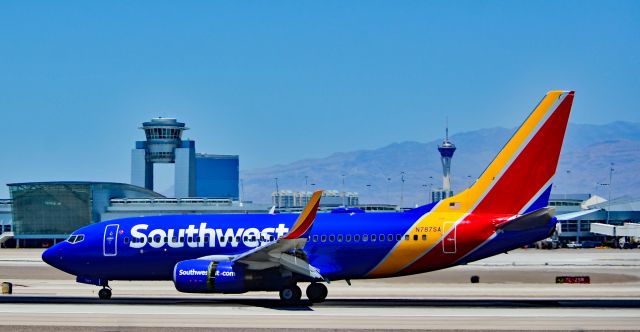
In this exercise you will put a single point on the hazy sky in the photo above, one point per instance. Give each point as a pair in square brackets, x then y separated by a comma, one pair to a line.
[279, 81]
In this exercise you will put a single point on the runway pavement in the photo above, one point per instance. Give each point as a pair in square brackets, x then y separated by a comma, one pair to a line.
[516, 292]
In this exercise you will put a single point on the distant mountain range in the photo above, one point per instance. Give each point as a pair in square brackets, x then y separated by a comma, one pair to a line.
[586, 157]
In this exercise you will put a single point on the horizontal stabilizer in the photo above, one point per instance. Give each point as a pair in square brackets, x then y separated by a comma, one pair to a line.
[534, 220]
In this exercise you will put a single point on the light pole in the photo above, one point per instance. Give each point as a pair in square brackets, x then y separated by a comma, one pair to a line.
[401, 189]
[610, 184]
[277, 193]
[426, 186]
[369, 191]
[344, 194]
[388, 184]
[306, 189]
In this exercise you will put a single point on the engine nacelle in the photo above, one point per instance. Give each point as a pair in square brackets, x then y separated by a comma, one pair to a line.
[206, 276]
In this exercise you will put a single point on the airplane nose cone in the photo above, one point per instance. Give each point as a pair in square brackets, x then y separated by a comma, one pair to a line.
[51, 256]
[47, 256]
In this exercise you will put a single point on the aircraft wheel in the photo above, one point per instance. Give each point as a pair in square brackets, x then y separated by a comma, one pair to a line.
[104, 294]
[317, 292]
[290, 294]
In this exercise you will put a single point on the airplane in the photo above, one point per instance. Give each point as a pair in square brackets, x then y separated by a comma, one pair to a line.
[506, 208]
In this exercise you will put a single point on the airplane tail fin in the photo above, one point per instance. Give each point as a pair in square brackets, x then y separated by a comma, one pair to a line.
[519, 179]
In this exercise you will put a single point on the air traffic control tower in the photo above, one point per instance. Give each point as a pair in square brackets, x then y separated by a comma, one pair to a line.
[446, 150]
[164, 144]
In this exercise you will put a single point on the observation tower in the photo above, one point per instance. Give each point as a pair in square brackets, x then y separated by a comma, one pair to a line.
[446, 150]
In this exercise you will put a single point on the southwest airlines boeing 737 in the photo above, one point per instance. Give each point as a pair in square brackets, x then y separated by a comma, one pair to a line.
[504, 209]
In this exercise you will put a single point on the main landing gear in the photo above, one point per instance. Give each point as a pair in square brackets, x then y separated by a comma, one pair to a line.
[290, 294]
[316, 292]
[105, 293]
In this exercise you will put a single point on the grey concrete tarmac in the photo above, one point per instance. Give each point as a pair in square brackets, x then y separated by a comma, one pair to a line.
[516, 292]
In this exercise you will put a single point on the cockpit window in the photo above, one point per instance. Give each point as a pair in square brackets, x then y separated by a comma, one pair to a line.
[75, 238]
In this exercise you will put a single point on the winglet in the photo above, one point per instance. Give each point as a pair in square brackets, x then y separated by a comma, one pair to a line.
[306, 218]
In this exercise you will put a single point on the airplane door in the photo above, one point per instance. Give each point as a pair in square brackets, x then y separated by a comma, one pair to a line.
[449, 241]
[110, 242]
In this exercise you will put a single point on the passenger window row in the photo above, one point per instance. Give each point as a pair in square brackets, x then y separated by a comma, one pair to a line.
[196, 239]
[365, 237]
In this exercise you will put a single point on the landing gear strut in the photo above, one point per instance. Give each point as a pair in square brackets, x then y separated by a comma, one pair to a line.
[290, 294]
[105, 293]
[317, 292]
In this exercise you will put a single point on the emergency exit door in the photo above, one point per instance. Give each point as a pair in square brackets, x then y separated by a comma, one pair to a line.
[449, 240]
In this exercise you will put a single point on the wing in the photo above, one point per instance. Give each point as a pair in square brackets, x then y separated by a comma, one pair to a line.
[285, 251]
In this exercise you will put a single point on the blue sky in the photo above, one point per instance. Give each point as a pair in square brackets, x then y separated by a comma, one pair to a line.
[280, 81]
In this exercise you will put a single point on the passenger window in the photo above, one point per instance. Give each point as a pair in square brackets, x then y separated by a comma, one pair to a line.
[166, 239]
[271, 238]
[348, 238]
[398, 237]
[340, 238]
[126, 240]
[197, 239]
[406, 237]
[246, 238]
[415, 237]
[189, 239]
[174, 239]
[365, 238]
[237, 238]
[424, 237]
[182, 239]
[315, 238]
[253, 238]
[390, 237]
[373, 237]
[324, 238]
[381, 237]
[356, 238]
[332, 238]
[230, 239]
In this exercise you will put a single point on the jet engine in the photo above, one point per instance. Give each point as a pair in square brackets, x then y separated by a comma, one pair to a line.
[206, 276]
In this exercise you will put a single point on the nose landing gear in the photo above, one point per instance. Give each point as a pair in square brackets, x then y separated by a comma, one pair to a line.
[105, 293]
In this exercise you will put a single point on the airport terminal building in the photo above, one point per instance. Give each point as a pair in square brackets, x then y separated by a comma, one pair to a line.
[52, 210]
[43, 213]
